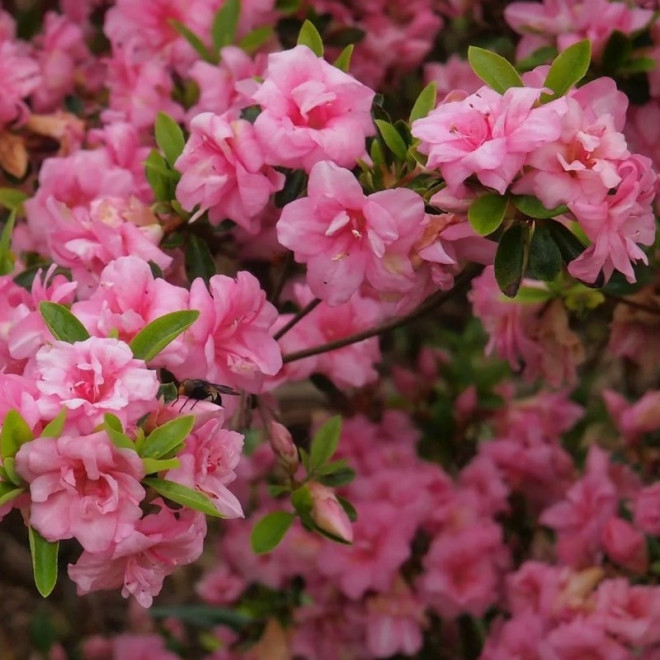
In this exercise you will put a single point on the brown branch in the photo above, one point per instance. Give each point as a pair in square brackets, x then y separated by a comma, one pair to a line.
[297, 318]
[633, 303]
[431, 303]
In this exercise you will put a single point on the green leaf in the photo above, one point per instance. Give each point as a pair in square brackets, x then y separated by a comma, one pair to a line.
[44, 562]
[309, 36]
[532, 295]
[340, 477]
[617, 50]
[270, 530]
[533, 208]
[9, 492]
[9, 467]
[348, 507]
[15, 432]
[493, 69]
[324, 443]
[287, 6]
[54, 428]
[302, 501]
[169, 137]
[487, 213]
[568, 243]
[392, 139]
[6, 257]
[183, 495]
[545, 261]
[62, 323]
[223, 30]
[296, 182]
[152, 465]
[193, 40]
[153, 338]
[510, 259]
[163, 439]
[115, 431]
[569, 67]
[203, 616]
[13, 199]
[254, 40]
[343, 61]
[425, 102]
[161, 178]
[198, 259]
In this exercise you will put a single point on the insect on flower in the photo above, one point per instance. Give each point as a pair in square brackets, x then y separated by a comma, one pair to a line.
[202, 390]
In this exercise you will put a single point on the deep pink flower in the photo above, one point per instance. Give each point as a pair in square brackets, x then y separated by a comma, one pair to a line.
[311, 111]
[625, 545]
[82, 487]
[223, 171]
[345, 237]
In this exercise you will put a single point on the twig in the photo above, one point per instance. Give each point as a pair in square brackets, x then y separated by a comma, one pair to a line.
[433, 302]
[297, 318]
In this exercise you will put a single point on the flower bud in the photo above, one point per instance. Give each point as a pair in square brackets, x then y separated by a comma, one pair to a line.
[328, 514]
[283, 445]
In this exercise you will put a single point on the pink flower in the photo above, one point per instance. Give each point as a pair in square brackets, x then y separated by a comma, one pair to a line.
[345, 237]
[487, 134]
[220, 586]
[517, 638]
[625, 545]
[581, 639]
[328, 514]
[230, 343]
[207, 460]
[454, 74]
[311, 111]
[140, 562]
[223, 171]
[82, 487]
[19, 77]
[91, 378]
[646, 508]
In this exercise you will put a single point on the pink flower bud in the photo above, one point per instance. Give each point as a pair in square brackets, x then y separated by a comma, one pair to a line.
[283, 445]
[328, 514]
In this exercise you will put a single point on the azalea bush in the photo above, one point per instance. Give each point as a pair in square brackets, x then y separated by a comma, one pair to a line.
[330, 329]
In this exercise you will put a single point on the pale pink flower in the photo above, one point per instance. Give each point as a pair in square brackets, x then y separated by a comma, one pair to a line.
[220, 586]
[311, 111]
[82, 487]
[454, 74]
[19, 77]
[93, 377]
[488, 135]
[634, 419]
[223, 171]
[345, 237]
[207, 462]
[127, 298]
[13, 296]
[230, 343]
[140, 562]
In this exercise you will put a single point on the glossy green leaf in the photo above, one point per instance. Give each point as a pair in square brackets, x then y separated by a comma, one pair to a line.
[62, 323]
[569, 68]
[163, 439]
[198, 259]
[568, 243]
[348, 508]
[545, 260]
[533, 208]
[153, 338]
[340, 477]
[183, 495]
[54, 428]
[193, 40]
[392, 139]
[15, 432]
[287, 6]
[9, 466]
[487, 212]
[153, 465]
[13, 199]
[532, 295]
[9, 492]
[270, 530]
[510, 259]
[6, 257]
[302, 501]
[324, 443]
[225, 22]
[309, 36]
[169, 137]
[113, 427]
[493, 69]
[44, 562]
[425, 102]
[343, 61]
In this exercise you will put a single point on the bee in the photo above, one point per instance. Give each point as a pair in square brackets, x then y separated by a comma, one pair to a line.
[202, 390]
